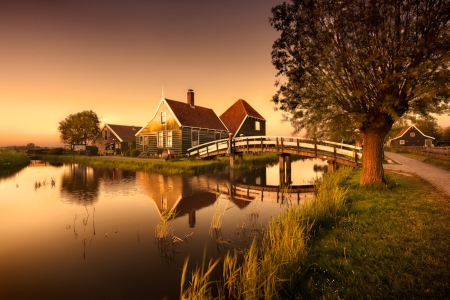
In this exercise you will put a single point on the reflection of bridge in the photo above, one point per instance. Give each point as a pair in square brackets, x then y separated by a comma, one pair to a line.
[334, 153]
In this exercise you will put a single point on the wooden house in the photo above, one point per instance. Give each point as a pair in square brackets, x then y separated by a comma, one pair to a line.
[243, 120]
[411, 136]
[178, 126]
[111, 137]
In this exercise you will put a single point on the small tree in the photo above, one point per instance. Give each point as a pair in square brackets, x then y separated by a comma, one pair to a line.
[79, 128]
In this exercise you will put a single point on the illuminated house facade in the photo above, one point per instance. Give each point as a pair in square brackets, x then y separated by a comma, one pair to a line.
[178, 126]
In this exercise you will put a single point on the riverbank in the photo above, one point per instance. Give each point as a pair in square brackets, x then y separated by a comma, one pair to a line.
[187, 166]
[11, 161]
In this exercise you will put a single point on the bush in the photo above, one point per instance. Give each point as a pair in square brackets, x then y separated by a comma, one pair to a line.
[91, 150]
[56, 151]
[135, 153]
[127, 153]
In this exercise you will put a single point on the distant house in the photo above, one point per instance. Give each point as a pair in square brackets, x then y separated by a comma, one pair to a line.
[243, 120]
[179, 126]
[111, 137]
[411, 136]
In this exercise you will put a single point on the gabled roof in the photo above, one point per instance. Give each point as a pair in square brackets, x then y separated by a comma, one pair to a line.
[195, 116]
[123, 132]
[236, 114]
[405, 130]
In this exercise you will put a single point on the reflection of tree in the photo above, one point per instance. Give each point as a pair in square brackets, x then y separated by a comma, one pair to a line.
[80, 184]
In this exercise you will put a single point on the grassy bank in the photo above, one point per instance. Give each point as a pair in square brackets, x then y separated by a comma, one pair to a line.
[390, 244]
[12, 161]
[351, 242]
[187, 166]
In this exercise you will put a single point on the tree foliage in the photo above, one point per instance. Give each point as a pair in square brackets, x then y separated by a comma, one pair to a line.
[363, 64]
[79, 128]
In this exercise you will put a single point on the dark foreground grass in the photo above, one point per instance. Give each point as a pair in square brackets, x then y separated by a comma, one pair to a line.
[390, 244]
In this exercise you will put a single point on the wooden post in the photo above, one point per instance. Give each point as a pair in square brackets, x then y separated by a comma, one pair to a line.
[281, 164]
[331, 166]
[240, 158]
[288, 168]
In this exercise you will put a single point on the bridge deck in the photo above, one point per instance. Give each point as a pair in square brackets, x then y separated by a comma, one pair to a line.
[337, 152]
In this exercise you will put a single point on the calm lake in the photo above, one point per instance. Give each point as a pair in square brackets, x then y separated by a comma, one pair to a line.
[76, 232]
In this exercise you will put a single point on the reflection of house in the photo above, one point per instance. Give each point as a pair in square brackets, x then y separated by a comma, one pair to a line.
[243, 120]
[112, 135]
[411, 136]
[179, 126]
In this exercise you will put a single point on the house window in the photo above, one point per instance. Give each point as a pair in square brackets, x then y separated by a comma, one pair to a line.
[141, 140]
[402, 142]
[412, 134]
[106, 134]
[161, 139]
[169, 138]
[217, 136]
[257, 125]
[163, 117]
[194, 138]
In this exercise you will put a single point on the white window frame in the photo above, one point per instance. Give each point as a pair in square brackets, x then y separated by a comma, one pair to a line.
[412, 134]
[257, 125]
[160, 139]
[402, 142]
[169, 139]
[195, 143]
[163, 118]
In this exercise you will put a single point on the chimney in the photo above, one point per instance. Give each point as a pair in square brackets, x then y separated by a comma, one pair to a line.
[190, 97]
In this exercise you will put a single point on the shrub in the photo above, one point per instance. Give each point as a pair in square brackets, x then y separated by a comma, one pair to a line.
[135, 153]
[127, 152]
[56, 151]
[92, 150]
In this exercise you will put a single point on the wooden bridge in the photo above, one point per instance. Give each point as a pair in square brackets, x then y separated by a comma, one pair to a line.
[334, 153]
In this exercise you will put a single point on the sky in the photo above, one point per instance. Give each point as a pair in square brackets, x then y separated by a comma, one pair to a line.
[117, 57]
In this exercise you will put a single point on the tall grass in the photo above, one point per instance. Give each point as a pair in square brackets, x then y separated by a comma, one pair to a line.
[11, 160]
[272, 269]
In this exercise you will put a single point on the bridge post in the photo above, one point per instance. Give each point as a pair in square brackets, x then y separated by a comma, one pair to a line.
[281, 165]
[332, 166]
[288, 169]
[231, 160]
[240, 158]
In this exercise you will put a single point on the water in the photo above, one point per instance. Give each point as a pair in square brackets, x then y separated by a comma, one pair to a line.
[75, 232]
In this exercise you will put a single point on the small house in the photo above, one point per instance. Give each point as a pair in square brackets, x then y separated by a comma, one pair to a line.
[411, 136]
[112, 136]
[178, 126]
[243, 120]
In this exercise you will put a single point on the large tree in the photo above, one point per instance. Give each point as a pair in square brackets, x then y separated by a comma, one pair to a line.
[363, 63]
[79, 128]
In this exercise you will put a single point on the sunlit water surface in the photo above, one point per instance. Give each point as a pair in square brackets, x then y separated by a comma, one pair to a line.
[75, 232]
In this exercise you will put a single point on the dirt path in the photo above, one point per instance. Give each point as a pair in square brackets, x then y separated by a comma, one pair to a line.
[435, 175]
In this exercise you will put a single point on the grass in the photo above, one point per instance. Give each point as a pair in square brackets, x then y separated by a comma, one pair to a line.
[391, 244]
[351, 242]
[12, 161]
[169, 167]
[188, 166]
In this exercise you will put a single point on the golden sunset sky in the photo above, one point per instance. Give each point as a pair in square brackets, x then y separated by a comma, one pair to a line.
[114, 57]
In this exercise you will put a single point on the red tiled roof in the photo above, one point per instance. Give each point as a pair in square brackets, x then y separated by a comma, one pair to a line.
[195, 116]
[124, 132]
[233, 116]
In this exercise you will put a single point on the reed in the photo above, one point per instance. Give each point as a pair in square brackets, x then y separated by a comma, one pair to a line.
[200, 285]
[272, 268]
[11, 160]
[217, 218]
[164, 229]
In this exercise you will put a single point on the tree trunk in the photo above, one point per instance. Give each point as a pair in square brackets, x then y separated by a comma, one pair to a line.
[372, 157]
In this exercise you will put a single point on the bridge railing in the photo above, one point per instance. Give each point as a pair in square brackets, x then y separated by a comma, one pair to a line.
[260, 143]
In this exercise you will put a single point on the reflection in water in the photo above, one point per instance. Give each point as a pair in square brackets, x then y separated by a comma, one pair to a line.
[92, 236]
